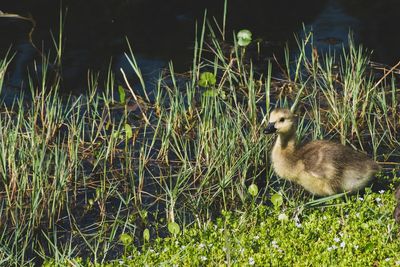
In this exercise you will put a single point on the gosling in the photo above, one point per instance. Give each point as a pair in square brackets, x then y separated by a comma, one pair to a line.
[321, 167]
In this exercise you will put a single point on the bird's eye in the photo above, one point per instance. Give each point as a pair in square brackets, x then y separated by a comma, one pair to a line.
[282, 120]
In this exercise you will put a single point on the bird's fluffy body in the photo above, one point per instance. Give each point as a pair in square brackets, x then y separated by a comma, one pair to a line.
[321, 167]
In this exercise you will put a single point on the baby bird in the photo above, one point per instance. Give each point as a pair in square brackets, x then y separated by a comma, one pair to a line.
[321, 167]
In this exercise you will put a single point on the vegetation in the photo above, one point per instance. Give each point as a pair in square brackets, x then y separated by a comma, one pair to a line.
[108, 173]
[357, 231]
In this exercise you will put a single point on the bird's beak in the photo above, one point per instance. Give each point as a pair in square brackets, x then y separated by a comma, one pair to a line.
[270, 128]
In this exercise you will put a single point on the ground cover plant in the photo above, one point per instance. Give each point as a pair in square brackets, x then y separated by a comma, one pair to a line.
[357, 231]
[154, 177]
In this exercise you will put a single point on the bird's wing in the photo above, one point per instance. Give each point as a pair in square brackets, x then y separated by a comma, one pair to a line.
[317, 161]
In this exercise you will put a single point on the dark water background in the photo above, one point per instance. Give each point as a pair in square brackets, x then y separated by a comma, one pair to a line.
[94, 32]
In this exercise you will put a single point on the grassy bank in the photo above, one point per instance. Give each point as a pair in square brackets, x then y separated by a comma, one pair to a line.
[79, 172]
[356, 231]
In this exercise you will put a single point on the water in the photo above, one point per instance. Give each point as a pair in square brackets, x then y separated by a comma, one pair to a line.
[92, 38]
[332, 26]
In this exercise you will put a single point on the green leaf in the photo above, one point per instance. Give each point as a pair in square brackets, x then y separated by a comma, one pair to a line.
[125, 239]
[253, 190]
[210, 93]
[128, 131]
[277, 200]
[207, 79]
[173, 228]
[146, 235]
[122, 94]
[244, 38]
[369, 247]
[116, 134]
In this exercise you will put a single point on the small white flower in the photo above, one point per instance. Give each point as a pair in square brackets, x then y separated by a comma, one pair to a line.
[283, 217]
[203, 258]
[256, 237]
[387, 259]
[298, 225]
[341, 234]
[378, 199]
[251, 261]
[274, 244]
[121, 262]
[361, 199]
[201, 245]
[336, 239]
[397, 263]
[224, 249]
[324, 218]
[151, 250]
[343, 244]
[358, 215]
[356, 246]
[182, 247]
[381, 191]
[332, 248]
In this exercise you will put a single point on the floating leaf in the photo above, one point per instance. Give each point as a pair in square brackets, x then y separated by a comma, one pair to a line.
[125, 239]
[173, 228]
[277, 200]
[210, 93]
[207, 79]
[244, 37]
[116, 134]
[146, 235]
[128, 131]
[253, 190]
[122, 94]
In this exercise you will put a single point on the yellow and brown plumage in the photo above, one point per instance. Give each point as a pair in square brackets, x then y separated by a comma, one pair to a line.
[321, 167]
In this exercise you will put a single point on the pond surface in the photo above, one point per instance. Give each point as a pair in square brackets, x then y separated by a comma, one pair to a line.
[94, 32]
